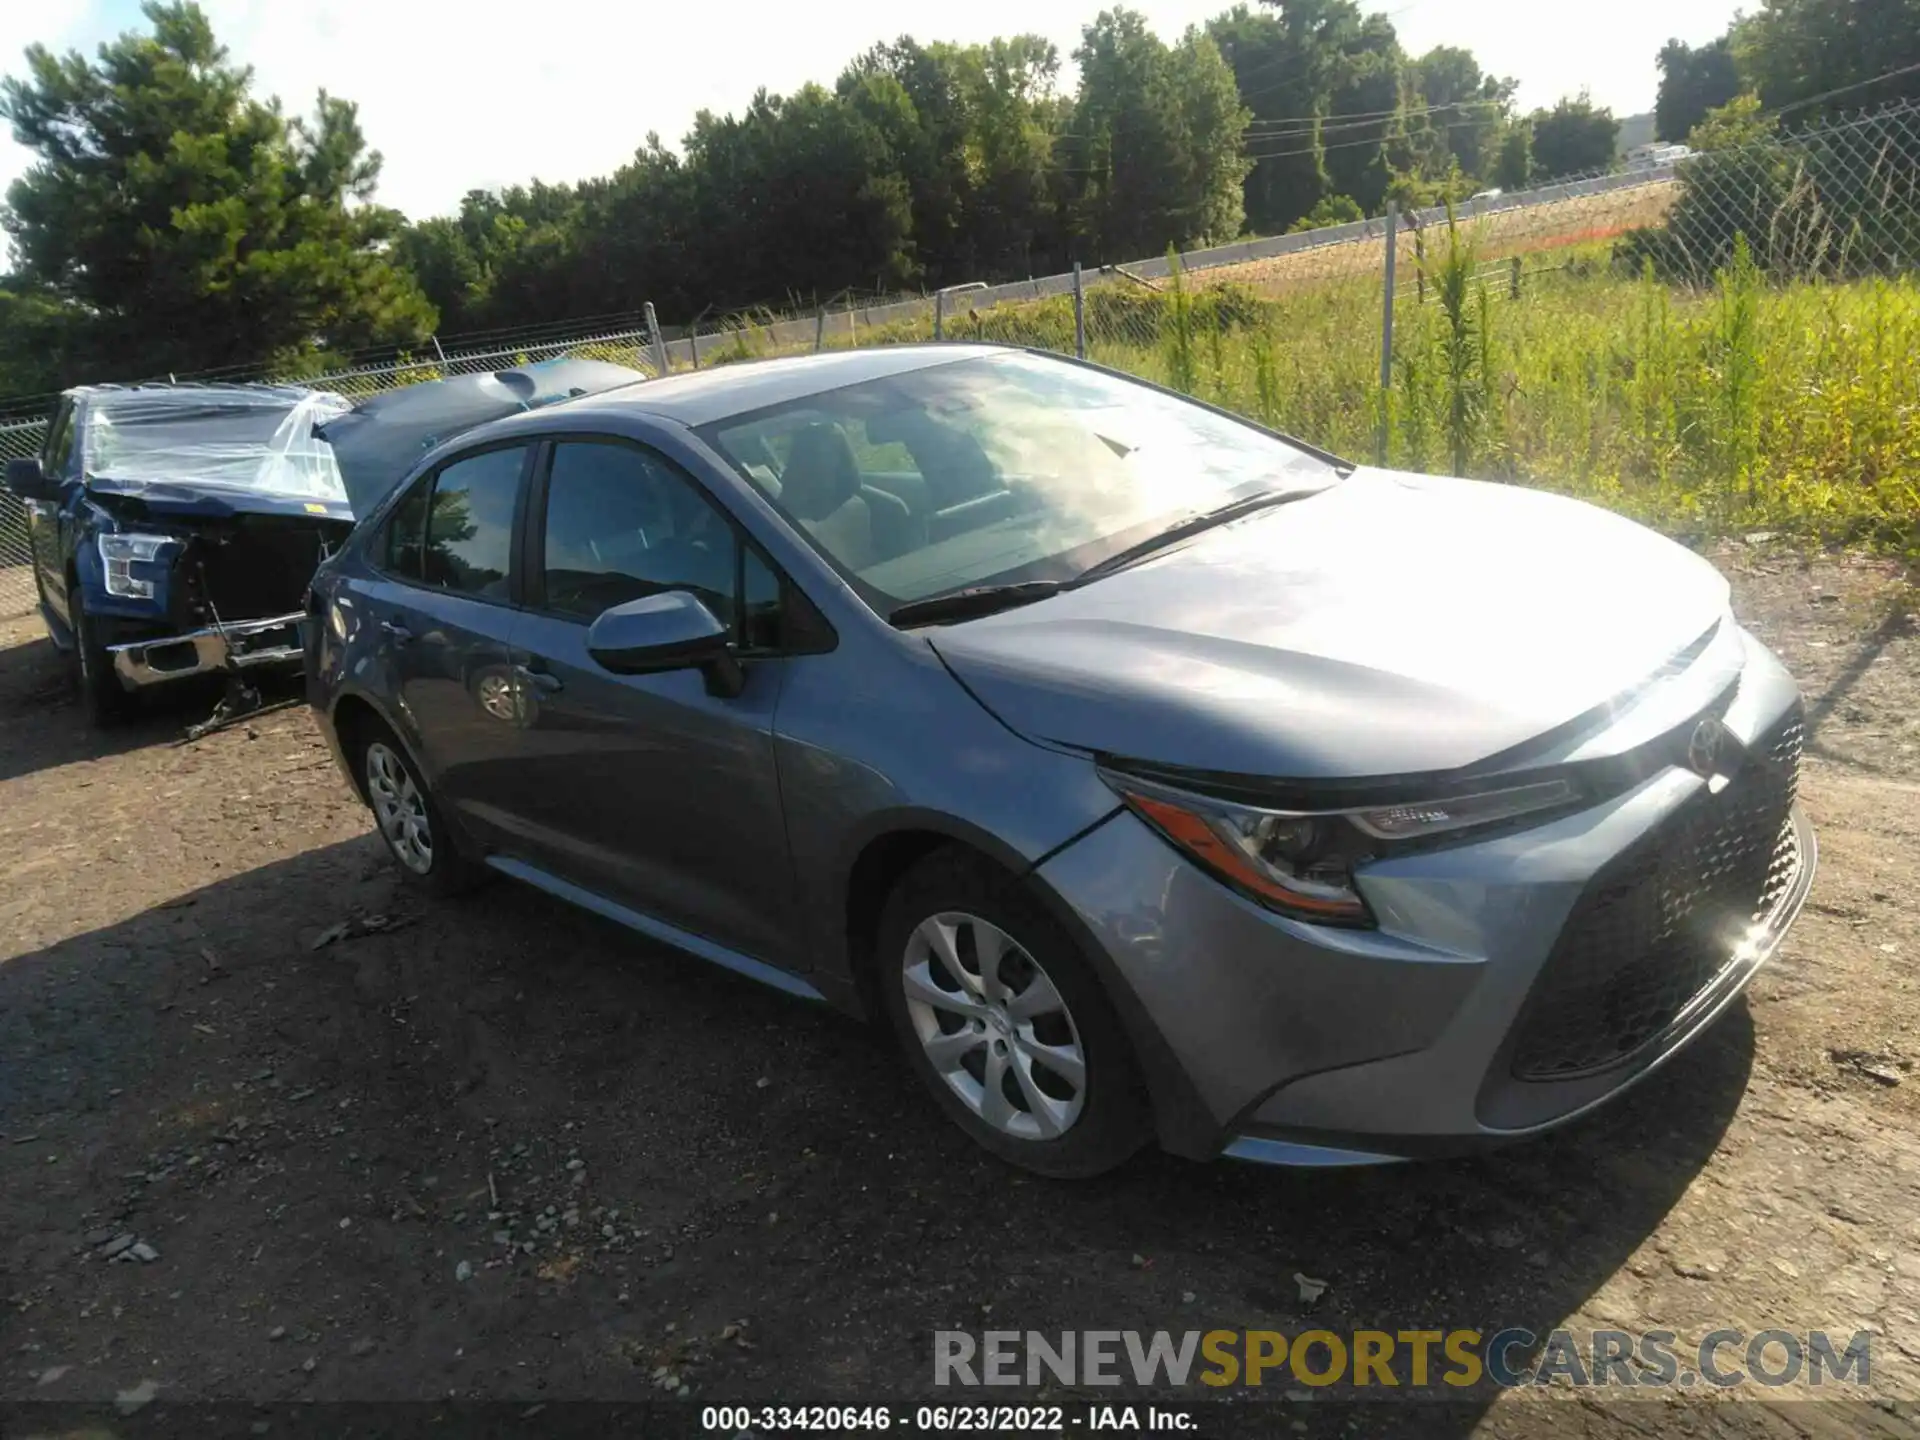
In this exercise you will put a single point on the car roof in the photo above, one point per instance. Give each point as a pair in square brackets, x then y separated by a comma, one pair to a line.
[700, 397]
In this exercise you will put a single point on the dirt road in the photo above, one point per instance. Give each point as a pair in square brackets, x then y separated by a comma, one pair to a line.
[500, 1149]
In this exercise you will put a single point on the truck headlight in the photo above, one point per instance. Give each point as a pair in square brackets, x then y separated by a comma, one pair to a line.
[119, 553]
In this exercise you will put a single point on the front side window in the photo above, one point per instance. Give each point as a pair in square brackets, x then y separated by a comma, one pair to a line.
[469, 534]
[59, 453]
[997, 469]
[623, 523]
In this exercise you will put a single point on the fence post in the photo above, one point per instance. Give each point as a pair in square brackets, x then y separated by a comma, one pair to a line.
[659, 345]
[939, 314]
[820, 329]
[693, 343]
[1516, 277]
[1079, 315]
[438, 351]
[1386, 334]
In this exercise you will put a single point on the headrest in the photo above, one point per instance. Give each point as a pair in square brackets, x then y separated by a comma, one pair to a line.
[820, 475]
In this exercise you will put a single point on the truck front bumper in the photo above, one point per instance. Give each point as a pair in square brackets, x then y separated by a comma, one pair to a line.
[242, 644]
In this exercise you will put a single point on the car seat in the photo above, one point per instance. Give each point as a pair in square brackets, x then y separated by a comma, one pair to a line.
[820, 488]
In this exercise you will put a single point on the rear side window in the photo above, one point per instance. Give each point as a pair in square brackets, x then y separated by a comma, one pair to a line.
[407, 533]
[469, 531]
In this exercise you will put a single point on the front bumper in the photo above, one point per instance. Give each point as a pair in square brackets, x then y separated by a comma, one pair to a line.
[1303, 1045]
[242, 644]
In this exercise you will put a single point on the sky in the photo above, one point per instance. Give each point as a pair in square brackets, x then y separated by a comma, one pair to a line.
[475, 94]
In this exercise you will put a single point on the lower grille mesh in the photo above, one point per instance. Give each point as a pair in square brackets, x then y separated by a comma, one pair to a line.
[1654, 933]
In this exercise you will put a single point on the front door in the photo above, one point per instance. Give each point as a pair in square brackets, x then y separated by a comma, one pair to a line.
[646, 788]
[50, 522]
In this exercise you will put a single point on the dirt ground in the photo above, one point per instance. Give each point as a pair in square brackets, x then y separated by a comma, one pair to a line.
[499, 1149]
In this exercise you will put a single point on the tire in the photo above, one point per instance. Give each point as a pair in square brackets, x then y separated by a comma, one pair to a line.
[105, 700]
[410, 822]
[1037, 1007]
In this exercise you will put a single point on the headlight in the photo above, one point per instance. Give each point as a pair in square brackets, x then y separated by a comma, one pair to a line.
[1301, 863]
[117, 556]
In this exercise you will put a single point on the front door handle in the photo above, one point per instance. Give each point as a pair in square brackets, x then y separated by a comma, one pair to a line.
[396, 632]
[540, 680]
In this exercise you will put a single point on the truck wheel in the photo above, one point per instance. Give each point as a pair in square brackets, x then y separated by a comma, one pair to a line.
[104, 698]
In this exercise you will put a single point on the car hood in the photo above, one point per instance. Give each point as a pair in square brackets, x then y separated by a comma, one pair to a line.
[1391, 625]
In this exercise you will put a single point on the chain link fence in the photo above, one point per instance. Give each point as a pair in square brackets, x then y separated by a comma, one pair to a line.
[1669, 339]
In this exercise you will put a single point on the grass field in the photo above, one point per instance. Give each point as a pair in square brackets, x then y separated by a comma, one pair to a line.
[1739, 406]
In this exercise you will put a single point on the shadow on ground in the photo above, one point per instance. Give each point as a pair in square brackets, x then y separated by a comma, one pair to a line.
[42, 725]
[317, 1139]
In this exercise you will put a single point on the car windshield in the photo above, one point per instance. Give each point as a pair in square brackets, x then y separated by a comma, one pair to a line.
[998, 469]
[260, 441]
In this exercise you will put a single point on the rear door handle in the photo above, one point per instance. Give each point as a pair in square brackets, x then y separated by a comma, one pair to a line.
[540, 680]
[396, 632]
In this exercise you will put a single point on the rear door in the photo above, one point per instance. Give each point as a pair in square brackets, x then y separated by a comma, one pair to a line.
[645, 788]
[444, 610]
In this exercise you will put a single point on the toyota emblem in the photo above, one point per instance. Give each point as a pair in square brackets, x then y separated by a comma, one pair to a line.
[1704, 749]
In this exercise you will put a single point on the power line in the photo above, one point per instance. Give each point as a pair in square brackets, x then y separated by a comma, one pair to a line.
[1846, 89]
[1363, 115]
[1384, 117]
[1339, 145]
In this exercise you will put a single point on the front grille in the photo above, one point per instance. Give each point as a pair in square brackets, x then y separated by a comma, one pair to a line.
[1659, 928]
[261, 566]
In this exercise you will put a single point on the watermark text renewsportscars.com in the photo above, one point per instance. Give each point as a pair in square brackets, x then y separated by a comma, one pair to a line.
[1382, 1361]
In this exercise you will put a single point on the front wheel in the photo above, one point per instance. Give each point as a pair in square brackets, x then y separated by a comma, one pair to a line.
[106, 700]
[1005, 1022]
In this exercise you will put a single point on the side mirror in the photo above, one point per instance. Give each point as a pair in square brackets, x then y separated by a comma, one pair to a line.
[673, 630]
[26, 479]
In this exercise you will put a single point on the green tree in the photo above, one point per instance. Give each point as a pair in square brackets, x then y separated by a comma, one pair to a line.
[1333, 210]
[1793, 51]
[1574, 136]
[1513, 165]
[1284, 78]
[1693, 80]
[1323, 84]
[802, 197]
[1371, 74]
[1157, 133]
[971, 131]
[177, 222]
[1466, 112]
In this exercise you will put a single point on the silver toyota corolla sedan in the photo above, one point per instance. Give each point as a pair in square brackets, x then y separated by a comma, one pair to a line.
[1150, 774]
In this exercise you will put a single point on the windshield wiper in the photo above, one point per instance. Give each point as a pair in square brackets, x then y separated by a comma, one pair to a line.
[1192, 525]
[974, 601]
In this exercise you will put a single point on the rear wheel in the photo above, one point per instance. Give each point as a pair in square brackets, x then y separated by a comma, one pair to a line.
[1005, 1022]
[409, 821]
[105, 699]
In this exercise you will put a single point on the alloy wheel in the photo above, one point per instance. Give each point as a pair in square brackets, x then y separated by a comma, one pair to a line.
[994, 1026]
[399, 808]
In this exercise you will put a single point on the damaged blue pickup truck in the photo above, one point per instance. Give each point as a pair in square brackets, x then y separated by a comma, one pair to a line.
[174, 528]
